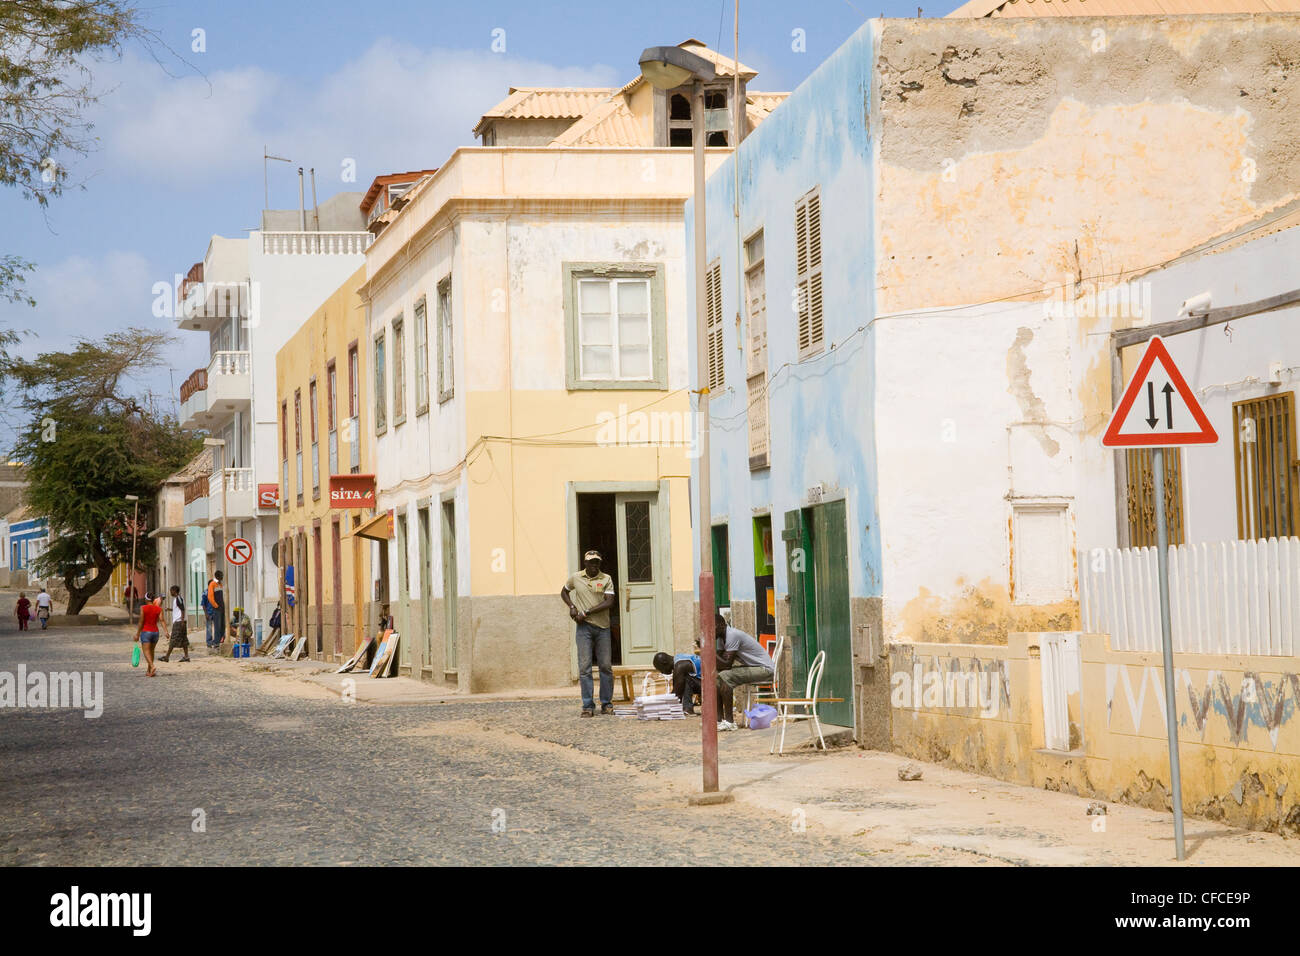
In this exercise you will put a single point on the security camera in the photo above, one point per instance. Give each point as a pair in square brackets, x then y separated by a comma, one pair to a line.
[1196, 305]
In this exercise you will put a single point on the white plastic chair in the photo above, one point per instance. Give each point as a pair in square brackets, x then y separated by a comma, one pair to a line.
[808, 703]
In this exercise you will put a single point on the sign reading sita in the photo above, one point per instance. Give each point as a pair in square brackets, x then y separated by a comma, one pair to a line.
[352, 491]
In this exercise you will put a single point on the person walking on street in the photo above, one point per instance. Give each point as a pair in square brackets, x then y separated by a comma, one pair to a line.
[217, 598]
[23, 609]
[589, 594]
[44, 607]
[180, 632]
[147, 630]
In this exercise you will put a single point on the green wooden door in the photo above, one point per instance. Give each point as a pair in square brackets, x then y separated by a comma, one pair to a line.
[797, 566]
[830, 551]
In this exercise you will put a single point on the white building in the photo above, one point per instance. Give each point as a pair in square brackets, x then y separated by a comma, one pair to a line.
[249, 296]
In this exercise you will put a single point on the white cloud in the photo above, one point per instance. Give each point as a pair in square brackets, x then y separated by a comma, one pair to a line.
[395, 107]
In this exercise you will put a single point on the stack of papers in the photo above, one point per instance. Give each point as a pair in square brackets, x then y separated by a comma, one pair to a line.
[659, 707]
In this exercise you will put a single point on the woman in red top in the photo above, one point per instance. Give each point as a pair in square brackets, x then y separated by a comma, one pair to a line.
[147, 632]
[23, 609]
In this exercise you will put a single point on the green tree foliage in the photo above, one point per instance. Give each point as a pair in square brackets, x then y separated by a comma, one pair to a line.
[45, 89]
[89, 442]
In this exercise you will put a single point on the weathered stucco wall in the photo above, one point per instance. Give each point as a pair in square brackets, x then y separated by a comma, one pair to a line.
[1015, 152]
[1239, 736]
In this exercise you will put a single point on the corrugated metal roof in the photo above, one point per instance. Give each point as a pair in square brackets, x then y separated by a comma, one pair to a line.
[544, 103]
[1119, 8]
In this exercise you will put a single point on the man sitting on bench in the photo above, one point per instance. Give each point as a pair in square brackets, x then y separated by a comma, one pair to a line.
[741, 660]
[685, 670]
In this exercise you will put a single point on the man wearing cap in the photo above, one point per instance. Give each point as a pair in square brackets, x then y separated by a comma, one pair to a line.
[589, 594]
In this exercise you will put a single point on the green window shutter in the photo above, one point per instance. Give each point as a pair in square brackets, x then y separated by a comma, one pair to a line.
[721, 568]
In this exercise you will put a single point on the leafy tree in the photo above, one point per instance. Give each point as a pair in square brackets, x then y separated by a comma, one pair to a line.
[45, 88]
[89, 443]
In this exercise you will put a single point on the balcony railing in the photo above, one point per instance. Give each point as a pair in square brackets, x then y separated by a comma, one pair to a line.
[230, 363]
[237, 479]
[198, 488]
[197, 382]
[192, 278]
[315, 243]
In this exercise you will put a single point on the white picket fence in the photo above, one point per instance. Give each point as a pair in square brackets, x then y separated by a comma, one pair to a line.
[1226, 597]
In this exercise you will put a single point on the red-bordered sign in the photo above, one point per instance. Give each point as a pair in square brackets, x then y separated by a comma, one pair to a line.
[1158, 409]
[239, 551]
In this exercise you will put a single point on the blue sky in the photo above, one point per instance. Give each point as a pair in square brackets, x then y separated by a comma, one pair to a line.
[393, 86]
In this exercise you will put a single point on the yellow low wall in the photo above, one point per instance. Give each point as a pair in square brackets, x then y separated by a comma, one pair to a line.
[1239, 736]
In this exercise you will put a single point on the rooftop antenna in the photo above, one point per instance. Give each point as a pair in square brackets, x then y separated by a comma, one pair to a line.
[266, 188]
[315, 207]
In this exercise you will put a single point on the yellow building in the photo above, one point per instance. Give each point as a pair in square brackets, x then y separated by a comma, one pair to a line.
[528, 333]
[319, 383]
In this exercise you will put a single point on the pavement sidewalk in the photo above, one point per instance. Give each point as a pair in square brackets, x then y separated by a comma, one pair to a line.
[858, 793]
[370, 690]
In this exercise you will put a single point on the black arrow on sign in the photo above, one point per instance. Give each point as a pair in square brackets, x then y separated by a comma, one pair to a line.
[1151, 403]
[1169, 405]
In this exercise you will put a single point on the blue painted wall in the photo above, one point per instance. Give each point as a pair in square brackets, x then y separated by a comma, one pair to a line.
[820, 410]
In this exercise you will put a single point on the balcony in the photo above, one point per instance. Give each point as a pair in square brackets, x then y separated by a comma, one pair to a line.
[240, 495]
[315, 243]
[196, 501]
[211, 395]
[194, 399]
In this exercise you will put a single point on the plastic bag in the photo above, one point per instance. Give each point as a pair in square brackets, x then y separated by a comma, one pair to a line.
[761, 717]
[135, 654]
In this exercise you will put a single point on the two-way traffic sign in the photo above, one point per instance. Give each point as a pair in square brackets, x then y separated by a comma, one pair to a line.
[1158, 409]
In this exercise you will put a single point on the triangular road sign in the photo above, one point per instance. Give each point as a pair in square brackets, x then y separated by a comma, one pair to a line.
[1158, 409]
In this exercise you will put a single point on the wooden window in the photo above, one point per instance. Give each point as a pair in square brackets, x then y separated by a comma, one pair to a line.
[332, 414]
[1142, 497]
[614, 329]
[808, 264]
[332, 396]
[354, 384]
[446, 358]
[284, 456]
[399, 372]
[315, 446]
[615, 326]
[297, 438]
[717, 367]
[381, 387]
[756, 353]
[421, 359]
[1265, 463]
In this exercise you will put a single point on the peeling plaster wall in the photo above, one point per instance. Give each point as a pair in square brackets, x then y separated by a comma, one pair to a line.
[820, 410]
[1238, 724]
[1013, 152]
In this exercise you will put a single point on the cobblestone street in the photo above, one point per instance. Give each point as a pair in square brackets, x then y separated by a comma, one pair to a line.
[291, 775]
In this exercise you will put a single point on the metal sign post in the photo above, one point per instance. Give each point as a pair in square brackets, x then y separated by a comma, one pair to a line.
[1178, 420]
[1167, 646]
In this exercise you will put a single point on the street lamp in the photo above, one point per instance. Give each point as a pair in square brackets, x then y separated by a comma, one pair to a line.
[130, 575]
[669, 68]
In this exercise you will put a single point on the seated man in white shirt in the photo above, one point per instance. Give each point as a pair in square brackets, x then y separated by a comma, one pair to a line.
[741, 660]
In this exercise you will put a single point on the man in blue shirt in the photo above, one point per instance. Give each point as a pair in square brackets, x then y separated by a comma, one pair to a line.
[685, 670]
